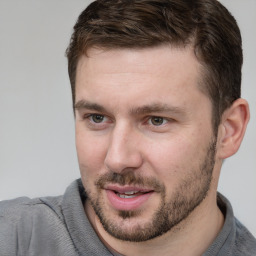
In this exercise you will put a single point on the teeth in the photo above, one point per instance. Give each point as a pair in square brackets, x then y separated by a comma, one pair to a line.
[130, 192]
[126, 196]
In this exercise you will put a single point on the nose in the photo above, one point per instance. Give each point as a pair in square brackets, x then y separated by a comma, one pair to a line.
[123, 151]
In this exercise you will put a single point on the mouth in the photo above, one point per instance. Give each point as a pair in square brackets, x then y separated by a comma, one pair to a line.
[127, 198]
[129, 194]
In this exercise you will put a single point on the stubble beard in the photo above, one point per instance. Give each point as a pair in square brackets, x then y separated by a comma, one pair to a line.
[190, 193]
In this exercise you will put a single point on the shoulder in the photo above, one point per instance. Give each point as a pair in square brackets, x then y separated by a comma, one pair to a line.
[28, 211]
[42, 226]
[234, 238]
[21, 218]
[21, 207]
[245, 242]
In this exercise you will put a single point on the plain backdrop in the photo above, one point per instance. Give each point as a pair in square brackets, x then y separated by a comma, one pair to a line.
[37, 148]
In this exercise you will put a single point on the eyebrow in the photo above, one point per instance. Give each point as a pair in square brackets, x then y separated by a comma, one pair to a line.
[146, 109]
[157, 108]
[83, 104]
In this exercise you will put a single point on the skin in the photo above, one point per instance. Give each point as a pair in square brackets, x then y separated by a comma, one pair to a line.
[115, 133]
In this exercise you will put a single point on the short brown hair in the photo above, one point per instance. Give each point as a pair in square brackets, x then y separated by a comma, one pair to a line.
[205, 24]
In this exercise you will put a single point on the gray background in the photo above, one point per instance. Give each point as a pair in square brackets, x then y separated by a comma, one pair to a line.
[37, 149]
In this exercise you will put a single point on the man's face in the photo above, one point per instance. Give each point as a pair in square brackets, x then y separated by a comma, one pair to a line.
[144, 138]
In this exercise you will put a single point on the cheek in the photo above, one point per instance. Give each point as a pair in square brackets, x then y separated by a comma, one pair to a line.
[91, 154]
[173, 159]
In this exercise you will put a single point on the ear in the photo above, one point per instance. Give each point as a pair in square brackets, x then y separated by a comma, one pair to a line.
[232, 128]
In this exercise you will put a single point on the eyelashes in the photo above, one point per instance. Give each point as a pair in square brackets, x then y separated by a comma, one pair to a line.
[97, 118]
[157, 120]
[97, 121]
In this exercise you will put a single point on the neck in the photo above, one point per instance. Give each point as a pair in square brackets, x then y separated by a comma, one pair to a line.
[190, 237]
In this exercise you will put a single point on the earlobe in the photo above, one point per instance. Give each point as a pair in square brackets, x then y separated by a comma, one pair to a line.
[232, 128]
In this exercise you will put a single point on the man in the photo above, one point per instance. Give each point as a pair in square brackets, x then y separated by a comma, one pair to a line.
[156, 95]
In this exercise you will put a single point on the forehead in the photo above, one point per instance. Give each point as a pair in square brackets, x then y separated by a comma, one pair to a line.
[125, 59]
[153, 72]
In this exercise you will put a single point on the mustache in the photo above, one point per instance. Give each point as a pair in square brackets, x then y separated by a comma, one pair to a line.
[129, 178]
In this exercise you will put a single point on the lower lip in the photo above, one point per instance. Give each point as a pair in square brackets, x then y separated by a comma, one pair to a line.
[127, 204]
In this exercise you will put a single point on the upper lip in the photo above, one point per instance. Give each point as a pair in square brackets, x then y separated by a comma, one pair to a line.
[124, 189]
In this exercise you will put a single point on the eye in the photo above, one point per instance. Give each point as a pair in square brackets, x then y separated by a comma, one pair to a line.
[96, 121]
[96, 118]
[157, 120]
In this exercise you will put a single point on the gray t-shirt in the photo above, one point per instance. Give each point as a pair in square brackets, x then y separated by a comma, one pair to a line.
[58, 226]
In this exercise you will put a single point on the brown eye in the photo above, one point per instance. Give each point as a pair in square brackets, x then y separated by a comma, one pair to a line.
[97, 118]
[157, 121]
